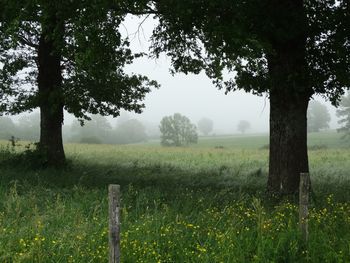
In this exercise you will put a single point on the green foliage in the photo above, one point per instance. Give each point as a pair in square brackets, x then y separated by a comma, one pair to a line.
[205, 126]
[344, 113]
[24, 155]
[318, 117]
[243, 37]
[85, 36]
[177, 130]
[243, 126]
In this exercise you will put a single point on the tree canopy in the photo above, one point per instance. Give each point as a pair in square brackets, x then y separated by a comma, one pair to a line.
[92, 56]
[241, 38]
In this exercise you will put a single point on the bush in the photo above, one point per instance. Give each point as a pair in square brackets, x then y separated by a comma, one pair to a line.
[30, 158]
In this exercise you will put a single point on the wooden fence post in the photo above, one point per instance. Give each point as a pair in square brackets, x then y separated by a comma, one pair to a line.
[114, 223]
[304, 190]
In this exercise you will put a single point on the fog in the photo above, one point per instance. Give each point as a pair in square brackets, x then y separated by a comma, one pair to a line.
[194, 95]
[191, 95]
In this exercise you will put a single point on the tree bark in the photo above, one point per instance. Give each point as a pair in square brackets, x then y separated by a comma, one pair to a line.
[288, 142]
[289, 96]
[50, 94]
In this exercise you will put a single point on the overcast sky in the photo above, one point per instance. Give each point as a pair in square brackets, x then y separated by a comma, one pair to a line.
[194, 95]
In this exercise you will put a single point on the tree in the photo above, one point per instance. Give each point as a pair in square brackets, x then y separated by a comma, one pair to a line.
[205, 126]
[72, 55]
[243, 126]
[29, 127]
[7, 128]
[97, 130]
[177, 130]
[289, 49]
[152, 130]
[344, 113]
[318, 117]
[130, 131]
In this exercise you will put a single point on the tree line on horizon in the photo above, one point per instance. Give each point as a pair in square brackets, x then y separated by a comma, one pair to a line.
[96, 131]
[99, 129]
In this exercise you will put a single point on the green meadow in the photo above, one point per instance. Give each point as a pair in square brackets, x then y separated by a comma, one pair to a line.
[203, 203]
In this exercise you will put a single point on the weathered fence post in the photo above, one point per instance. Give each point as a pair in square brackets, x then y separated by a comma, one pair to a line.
[114, 223]
[304, 189]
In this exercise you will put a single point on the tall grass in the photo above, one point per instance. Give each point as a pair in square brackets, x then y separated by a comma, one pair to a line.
[178, 205]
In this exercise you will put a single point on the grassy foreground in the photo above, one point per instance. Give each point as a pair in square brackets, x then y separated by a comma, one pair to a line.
[178, 205]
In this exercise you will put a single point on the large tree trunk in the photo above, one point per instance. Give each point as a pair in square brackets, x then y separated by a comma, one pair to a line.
[288, 142]
[50, 95]
[289, 96]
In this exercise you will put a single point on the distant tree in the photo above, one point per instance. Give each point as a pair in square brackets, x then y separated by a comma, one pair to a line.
[205, 126]
[318, 117]
[97, 130]
[343, 112]
[29, 127]
[152, 130]
[123, 117]
[7, 128]
[130, 131]
[177, 130]
[243, 126]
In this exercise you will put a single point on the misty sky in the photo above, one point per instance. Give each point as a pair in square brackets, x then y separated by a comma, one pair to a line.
[192, 95]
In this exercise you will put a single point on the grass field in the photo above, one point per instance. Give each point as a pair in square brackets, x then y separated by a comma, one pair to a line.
[329, 139]
[193, 204]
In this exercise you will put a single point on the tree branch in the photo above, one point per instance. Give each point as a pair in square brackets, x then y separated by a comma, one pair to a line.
[147, 11]
[25, 41]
